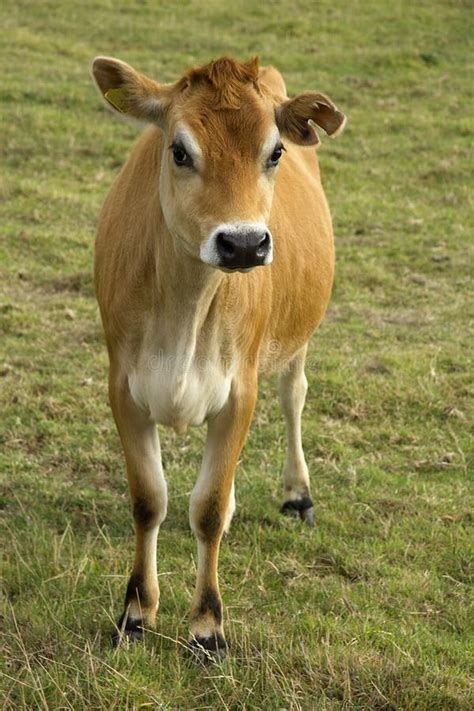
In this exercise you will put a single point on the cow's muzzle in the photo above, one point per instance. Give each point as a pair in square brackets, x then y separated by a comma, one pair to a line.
[238, 246]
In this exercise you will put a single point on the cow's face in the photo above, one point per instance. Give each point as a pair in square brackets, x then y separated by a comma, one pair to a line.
[222, 143]
[217, 175]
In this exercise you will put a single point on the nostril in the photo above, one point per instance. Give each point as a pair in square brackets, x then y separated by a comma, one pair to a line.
[225, 245]
[263, 245]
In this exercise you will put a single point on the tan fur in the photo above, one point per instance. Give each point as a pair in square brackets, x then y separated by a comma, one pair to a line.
[156, 297]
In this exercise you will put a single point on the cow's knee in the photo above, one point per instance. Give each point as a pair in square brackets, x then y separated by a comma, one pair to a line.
[207, 516]
[149, 511]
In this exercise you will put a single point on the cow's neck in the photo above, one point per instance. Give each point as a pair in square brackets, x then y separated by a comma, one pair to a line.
[187, 289]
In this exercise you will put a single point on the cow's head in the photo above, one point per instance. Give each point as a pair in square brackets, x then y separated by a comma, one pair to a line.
[223, 139]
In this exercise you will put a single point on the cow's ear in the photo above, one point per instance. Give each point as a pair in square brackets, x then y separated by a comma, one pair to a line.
[297, 118]
[128, 93]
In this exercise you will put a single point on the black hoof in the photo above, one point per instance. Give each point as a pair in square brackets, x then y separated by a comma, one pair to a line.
[300, 508]
[132, 632]
[208, 649]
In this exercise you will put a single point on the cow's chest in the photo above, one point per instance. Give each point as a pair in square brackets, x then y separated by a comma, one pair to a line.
[178, 387]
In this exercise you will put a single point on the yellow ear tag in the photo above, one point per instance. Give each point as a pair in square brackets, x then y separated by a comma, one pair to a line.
[116, 97]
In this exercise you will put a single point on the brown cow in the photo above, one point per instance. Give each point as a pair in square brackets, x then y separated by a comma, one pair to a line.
[208, 194]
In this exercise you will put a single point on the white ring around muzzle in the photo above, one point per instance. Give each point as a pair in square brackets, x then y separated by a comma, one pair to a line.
[208, 250]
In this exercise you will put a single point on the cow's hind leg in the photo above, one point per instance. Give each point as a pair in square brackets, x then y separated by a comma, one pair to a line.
[149, 499]
[292, 388]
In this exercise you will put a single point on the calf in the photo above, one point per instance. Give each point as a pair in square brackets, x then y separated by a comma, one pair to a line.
[209, 193]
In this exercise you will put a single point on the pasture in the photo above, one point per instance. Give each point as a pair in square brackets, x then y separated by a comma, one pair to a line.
[370, 609]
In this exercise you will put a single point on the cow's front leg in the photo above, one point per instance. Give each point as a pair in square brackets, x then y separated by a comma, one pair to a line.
[149, 499]
[292, 387]
[209, 507]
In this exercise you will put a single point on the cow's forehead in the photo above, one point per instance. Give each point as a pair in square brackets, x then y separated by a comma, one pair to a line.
[218, 131]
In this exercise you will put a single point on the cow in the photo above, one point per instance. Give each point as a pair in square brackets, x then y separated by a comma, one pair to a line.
[214, 263]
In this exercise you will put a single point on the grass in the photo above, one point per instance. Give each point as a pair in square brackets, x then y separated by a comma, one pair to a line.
[373, 608]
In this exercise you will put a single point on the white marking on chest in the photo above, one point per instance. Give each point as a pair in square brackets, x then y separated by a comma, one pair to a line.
[180, 389]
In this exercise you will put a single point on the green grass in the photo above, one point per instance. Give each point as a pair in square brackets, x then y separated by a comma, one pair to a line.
[373, 608]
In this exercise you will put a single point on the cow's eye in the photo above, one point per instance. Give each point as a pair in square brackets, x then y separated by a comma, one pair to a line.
[275, 156]
[180, 157]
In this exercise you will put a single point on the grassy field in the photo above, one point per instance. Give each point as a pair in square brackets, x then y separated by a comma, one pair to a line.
[372, 609]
